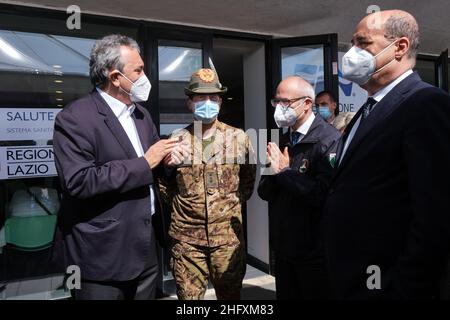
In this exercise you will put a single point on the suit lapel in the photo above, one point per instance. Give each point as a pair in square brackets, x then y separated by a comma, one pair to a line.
[114, 125]
[144, 135]
[381, 111]
[341, 143]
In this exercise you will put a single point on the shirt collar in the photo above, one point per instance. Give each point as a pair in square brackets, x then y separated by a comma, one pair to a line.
[383, 92]
[304, 128]
[118, 107]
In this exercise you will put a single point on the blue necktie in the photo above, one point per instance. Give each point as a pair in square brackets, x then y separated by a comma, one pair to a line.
[295, 137]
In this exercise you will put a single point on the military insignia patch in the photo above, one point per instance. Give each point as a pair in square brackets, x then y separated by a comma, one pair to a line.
[332, 159]
[304, 166]
[211, 179]
[207, 75]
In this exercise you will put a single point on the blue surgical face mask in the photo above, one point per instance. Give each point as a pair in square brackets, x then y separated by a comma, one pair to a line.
[206, 111]
[324, 112]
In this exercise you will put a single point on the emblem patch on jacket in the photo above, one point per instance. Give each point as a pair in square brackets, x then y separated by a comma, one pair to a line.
[332, 159]
[304, 166]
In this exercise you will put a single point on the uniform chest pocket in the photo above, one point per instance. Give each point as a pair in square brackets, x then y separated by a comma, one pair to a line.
[188, 180]
[228, 177]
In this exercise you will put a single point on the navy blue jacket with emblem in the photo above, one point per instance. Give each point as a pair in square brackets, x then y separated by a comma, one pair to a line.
[296, 195]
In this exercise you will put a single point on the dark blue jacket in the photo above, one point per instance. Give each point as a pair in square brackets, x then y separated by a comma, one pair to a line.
[296, 195]
[388, 204]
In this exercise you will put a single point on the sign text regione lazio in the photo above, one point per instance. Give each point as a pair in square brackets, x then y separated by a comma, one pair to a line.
[26, 162]
[27, 124]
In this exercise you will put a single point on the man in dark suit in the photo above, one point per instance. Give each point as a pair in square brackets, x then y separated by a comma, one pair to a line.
[107, 150]
[295, 191]
[387, 211]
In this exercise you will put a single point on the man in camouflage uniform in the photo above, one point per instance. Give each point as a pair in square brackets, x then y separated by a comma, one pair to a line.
[213, 175]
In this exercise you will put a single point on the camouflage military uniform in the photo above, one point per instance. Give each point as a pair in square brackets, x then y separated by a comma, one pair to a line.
[206, 196]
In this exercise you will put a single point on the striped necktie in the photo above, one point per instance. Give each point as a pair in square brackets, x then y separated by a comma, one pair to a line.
[295, 137]
[367, 108]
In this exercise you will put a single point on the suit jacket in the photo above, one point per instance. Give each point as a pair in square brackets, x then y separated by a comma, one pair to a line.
[104, 223]
[388, 200]
[296, 195]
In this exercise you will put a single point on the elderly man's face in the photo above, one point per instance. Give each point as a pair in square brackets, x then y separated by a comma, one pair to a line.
[287, 91]
[370, 36]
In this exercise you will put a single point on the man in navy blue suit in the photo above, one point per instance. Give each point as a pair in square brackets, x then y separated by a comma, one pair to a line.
[387, 211]
[107, 152]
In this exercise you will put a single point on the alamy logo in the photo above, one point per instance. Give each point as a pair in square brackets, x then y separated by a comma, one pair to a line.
[74, 20]
[375, 21]
[374, 281]
[73, 280]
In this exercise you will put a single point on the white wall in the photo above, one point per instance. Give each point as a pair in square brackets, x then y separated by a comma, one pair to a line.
[255, 117]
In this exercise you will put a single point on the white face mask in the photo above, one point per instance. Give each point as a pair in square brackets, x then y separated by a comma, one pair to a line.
[284, 116]
[358, 65]
[140, 89]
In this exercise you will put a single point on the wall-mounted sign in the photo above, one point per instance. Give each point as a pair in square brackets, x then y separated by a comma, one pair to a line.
[27, 124]
[26, 162]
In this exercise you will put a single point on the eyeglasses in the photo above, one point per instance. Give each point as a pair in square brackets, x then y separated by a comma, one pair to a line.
[286, 103]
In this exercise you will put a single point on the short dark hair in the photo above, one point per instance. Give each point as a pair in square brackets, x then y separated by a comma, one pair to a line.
[325, 92]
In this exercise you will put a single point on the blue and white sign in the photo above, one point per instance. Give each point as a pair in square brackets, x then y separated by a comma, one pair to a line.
[27, 162]
[304, 62]
[27, 124]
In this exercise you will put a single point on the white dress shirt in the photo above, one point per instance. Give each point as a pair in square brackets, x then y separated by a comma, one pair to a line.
[380, 94]
[123, 114]
[304, 128]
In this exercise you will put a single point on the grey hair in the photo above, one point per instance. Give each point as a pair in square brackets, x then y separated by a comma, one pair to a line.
[106, 55]
[308, 91]
[403, 26]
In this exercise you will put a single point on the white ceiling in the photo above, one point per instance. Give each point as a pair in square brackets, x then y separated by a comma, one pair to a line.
[280, 18]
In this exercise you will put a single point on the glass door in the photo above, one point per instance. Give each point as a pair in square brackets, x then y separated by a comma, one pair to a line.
[172, 57]
[40, 73]
[177, 60]
[313, 58]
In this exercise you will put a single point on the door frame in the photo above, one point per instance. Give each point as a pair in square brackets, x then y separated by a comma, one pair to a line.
[150, 55]
[441, 66]
[436, 59]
